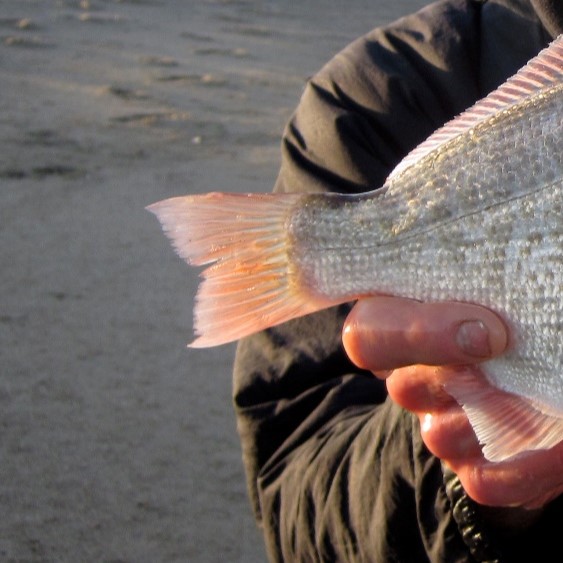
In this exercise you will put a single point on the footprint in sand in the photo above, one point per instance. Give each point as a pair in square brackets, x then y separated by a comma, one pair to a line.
[125, 93]
[158, 61]
[27, 42]
[194, 79]
[23, 24]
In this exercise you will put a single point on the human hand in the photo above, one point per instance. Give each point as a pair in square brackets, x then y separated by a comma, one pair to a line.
[419, 347]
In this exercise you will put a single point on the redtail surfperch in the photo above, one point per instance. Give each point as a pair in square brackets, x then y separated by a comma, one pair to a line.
[474, 214]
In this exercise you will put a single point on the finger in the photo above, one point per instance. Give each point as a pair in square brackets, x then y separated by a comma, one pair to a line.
[529, 480]
[448, 434]
[420, 388]
[383, 333]
[445, 429]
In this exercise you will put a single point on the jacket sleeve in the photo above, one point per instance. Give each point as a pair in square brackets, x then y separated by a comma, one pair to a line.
[335, 470]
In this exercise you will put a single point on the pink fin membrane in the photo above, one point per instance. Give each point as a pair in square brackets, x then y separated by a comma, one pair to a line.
[248, 284]
[505, 424]
[543, 72]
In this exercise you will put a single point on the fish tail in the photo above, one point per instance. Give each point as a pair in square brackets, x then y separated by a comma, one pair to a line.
[249, 283]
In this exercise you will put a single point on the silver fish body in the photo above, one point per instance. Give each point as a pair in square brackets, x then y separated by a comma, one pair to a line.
[480, 219]
[473, 214]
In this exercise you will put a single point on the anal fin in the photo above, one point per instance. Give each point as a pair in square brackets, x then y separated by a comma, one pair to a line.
[505, 424]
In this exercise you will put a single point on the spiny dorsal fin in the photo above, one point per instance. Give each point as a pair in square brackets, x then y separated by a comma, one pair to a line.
[543, 72]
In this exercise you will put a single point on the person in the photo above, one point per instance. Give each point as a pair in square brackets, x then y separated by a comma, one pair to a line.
[343, 465]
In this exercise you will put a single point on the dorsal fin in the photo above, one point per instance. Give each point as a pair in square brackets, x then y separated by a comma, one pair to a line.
[543, 72]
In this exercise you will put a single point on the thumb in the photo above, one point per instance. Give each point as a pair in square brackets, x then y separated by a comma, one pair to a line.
[385, 333]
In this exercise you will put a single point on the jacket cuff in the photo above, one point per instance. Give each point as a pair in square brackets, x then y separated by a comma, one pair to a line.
[468, 520]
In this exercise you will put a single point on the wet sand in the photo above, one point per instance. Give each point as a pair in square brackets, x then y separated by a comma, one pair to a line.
[117, 443]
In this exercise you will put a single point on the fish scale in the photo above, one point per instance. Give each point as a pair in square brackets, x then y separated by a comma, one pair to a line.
[473, 214]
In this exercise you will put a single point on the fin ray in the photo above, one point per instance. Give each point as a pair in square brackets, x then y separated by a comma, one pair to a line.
[241, 239]
[505, 424]
[542, 72]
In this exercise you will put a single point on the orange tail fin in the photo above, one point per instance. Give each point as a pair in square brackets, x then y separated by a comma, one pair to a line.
[249, 285]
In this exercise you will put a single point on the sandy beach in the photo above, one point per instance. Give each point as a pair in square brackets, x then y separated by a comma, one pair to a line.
[117, 443]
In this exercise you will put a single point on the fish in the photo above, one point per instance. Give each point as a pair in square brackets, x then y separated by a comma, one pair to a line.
[473, 214]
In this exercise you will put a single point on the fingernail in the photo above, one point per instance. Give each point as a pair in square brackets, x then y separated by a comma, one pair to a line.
[473, 338]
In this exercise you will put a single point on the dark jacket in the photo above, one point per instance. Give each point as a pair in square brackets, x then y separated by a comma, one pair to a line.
[336, 471]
